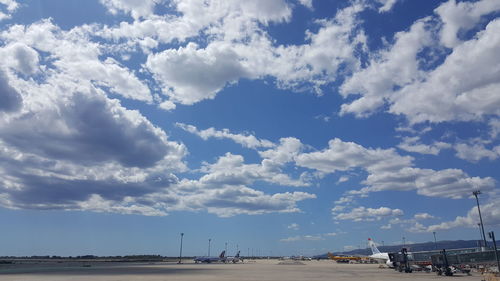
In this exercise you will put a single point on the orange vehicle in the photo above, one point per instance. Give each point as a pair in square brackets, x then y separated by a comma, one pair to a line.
[343, 258]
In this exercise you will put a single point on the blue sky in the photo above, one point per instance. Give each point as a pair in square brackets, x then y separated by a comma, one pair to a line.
[278, 127]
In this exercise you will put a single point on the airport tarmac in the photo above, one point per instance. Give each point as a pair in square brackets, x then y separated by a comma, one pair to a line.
[260, 270]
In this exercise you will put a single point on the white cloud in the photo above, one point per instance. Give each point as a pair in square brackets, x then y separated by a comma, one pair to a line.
[307, 3]
[239, 48]
[293, 226]
[494, 128]
[342, 179]
[459, 17]
[72, 54]
[387, 226]
[391, 68]
[475, 152]
[308, 237]
[417, 227]
[291, 239]
[413, 144]
[136, 8]
[226, 200]
[368, 214]
[91, 153]
[490, 213]
[388, 170]
[387, 5]
[20, 57]
[190, 74]
[342, 156]
[423, 216]
[447, 183]
[167, 105]
[231, 169]
[344, 200]
[7, 8]
[245, 140]
[463, 87]
[285, 152]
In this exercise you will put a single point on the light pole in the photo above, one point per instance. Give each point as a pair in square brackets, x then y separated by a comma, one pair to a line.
[476, 193]
[404, 242]
[480, 235]
[209, 240]
[180, 253]
[435, 241]
[491, 234]
[225, 247]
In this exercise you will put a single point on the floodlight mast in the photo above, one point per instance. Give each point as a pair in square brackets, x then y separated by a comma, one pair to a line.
[476, 193]
[180, 252]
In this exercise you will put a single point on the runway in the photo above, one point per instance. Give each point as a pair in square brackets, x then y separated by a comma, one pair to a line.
[261, 270]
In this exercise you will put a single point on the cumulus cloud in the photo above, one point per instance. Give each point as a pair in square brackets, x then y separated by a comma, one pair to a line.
[423, 216]
[241, 49]
[73, 54]
[342, 156]
[93, 154]
[475, 152]
[408, 78]
[90, 151]
[490, 213]
[413, 144]
[7, 8]
[230, 199]
[93, 129]
[391, 68]
[10, 99]
[388, 170]
[136, 8]
[387, 226]
[459, 17]
[287, 150]
[447, 183]
[231, 169]
[190, 74]
[245, 140]
[293, 226]
[463, 87]
[20, 57]
[368, 214]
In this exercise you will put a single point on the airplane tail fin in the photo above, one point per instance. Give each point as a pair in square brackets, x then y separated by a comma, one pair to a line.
[330, 255]
[373, 247]
[222, 254]
[237, 255]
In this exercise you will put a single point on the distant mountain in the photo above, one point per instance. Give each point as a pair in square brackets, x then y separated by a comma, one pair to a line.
[426, 246]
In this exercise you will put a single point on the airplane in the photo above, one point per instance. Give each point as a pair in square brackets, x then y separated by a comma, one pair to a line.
[207, 259]
[377, 255]
[234, 259]
[343, 259]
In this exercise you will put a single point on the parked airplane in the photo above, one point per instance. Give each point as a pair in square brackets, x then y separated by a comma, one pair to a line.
[235, 259]
[343, 259]
[207, 259]
[377, 255]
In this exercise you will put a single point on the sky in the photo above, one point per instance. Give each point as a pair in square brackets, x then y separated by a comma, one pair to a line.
[276, 127]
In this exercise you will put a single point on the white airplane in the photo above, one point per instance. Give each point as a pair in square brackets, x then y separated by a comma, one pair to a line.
[377, 255]
[235, 259]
